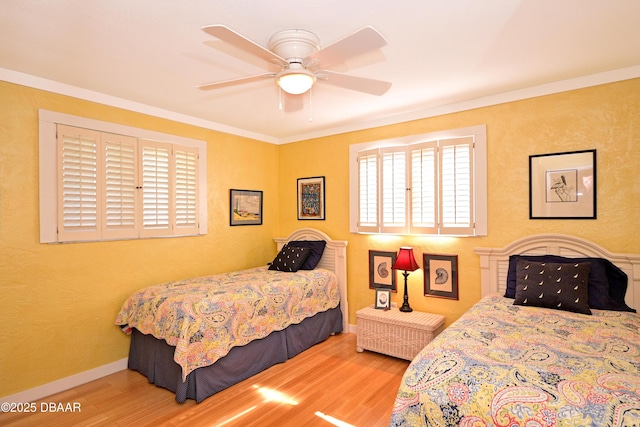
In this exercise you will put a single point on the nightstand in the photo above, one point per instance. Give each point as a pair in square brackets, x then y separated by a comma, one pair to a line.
[395, 333]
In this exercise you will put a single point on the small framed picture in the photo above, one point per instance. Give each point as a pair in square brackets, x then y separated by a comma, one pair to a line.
[380, 273]
[245, 207]
[383, 299]
[311, 198]
[441, 276]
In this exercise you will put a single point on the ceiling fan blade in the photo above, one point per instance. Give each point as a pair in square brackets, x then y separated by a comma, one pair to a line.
[227, 35]
[233, 82]
[362, 41]
[360, 84]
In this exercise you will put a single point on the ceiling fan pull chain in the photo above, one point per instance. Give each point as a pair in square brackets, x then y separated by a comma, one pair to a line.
[280, 107]
[310, 106]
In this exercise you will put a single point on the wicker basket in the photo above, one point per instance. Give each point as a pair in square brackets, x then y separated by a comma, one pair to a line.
[395, 333]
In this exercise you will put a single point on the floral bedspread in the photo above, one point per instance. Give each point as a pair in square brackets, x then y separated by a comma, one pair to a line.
[205, 317]
[506, 365]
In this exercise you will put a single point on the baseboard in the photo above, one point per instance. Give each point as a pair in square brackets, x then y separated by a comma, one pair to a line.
[63, 384]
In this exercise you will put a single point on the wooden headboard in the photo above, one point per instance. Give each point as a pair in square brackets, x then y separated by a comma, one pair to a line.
[494, 262]
[334, 258]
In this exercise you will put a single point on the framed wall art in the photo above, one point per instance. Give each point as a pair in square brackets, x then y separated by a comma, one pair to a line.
[563, 185]
[381, 276]
[245, 207]
[383, 299]
[441, 276]
[311, 198]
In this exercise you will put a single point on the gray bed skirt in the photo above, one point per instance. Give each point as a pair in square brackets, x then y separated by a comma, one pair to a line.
[154, 358]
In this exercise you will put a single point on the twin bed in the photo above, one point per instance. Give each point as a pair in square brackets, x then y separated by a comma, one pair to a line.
[537, 357]
[199, 336]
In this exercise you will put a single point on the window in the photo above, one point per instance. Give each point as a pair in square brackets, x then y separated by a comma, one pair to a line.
[101, 181]
[431, 184]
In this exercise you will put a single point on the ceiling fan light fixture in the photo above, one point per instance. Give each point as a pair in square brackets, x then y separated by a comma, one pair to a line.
[295, 81]
[299, 56]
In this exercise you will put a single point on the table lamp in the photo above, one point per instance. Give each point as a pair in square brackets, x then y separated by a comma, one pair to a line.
[406, 262]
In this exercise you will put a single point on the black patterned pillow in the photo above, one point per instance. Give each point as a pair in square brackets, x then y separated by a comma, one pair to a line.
[553, 285]
[317, 249]
[290, 259]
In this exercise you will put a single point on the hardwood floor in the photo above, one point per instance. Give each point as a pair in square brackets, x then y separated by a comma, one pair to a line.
[330, 378]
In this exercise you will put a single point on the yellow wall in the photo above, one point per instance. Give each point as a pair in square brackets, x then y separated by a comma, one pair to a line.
[58, 302]
[603, 117]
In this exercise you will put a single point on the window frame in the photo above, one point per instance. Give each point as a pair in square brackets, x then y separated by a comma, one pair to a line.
[48, 168]
[409, 143]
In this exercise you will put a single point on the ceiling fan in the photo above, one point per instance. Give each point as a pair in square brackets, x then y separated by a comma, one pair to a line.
[298, 55]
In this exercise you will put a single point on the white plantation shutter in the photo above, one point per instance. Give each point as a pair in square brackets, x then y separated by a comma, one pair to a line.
[457, 186]
[394, 190]
[111, 186]
[78, 202]
[424, 182]
[91, 183]
[432, 184]
[157, 200]
[186, 189]
[368, 191]
[119, 190]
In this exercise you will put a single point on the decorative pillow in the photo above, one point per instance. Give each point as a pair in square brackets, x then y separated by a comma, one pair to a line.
[618, 281]
[553, 285]
[290, 259]
[607, 283]
[317, 249]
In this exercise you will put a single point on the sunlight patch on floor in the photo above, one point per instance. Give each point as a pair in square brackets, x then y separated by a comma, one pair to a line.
[333, 420]
[235, 417]
[268, 395]
[271, 395]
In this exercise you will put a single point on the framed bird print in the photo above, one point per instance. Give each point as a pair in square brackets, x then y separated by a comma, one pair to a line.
[563, 185]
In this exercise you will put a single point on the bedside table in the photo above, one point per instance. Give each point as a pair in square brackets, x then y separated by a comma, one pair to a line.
[395, 333]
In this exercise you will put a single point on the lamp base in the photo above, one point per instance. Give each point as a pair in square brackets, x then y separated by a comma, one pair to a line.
[405, 305]
[405, 308]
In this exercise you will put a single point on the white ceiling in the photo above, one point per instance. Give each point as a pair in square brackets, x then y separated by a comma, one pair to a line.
[442, 56]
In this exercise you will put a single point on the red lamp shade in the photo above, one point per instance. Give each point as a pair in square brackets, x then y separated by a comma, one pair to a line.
[405, 260]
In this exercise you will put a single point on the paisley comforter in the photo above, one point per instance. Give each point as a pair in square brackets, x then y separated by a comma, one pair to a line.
[506, 365]
[205, 317]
